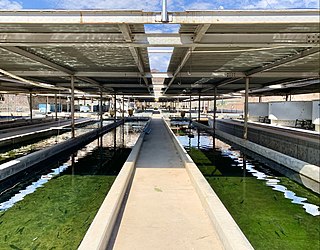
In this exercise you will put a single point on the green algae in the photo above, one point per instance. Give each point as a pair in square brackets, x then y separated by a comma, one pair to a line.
[58, 214]
[267, 218]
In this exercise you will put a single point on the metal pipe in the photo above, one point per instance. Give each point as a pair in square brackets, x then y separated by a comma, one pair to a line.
[245, 125]
[72, 107]
[164, 13]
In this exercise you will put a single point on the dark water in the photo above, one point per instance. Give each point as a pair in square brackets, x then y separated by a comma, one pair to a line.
[239, 164]
[90, 160]
[19, 150]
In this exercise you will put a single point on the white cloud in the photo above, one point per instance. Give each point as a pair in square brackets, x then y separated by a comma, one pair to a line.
[282, 4]
[201, 5]
[181, 5]
[159, 61]
[9, 5]
[162, 28]
[107, 4]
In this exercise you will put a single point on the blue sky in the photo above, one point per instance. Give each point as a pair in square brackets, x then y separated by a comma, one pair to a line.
[174, 5]
[160, 60]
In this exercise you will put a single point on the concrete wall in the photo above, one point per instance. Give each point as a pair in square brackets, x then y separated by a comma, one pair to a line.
[302, 145]
[257, 109]
[286, 113]
[316, 114]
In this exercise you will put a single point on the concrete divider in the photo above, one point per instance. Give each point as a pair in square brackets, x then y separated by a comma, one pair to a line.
[305, 169]
[44, 132]
[100, 230]
[229, 232]
[12, 167]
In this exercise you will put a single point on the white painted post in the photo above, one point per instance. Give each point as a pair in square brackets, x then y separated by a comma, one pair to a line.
[30, 106]
[190, 117]
[100, 110]
[245, 125]
[199, 106]
[72, 107]
[56, 106]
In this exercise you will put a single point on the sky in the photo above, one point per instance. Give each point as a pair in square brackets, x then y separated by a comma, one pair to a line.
[155, 5]
[160, 60]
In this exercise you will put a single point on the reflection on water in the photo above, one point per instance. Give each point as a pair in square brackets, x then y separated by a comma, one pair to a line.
[205, 142]
[125, 136]
[32, 187]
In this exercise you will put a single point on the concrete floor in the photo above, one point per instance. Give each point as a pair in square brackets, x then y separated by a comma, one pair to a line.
[163, 210]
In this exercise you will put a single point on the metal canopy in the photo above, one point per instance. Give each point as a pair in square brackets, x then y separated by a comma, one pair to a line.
[107, 51]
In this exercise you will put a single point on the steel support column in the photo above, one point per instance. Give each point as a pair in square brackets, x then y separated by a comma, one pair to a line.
[56, 106]
[100, 109]
[245, 125]
[72, 107]
[47, 102]
[199, 106]
[30, 105]
[122, 106]
[115, 107]
[214, 111]
[190, 117]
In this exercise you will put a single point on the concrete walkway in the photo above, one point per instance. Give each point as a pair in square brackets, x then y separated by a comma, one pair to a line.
[163, 210]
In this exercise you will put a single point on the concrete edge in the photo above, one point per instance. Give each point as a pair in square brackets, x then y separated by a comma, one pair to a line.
[20, 138]
[229, 232]
[309, 175]
[100, 230]
[304, 168]
[12, 167]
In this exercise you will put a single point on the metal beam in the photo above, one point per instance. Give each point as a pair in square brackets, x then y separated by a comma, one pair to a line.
[126, 32]
[49, 64]
[199, 39]
[283, 61]
[106, 17]
[23, 81]
[270, 66]
[222, 83]
[179, 68]
[39, 59]
[213, 74]
[199, 33]
[163, 43]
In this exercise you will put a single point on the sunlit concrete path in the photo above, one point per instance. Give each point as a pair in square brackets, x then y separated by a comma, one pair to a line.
[163, 210]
